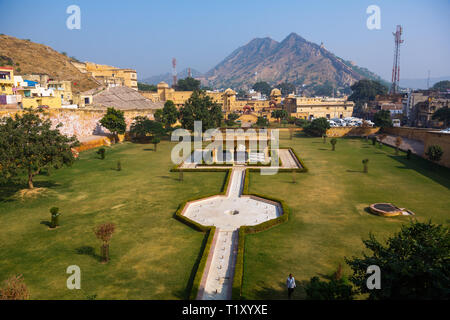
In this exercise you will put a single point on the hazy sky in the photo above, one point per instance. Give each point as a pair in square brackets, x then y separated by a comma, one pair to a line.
[146, 35]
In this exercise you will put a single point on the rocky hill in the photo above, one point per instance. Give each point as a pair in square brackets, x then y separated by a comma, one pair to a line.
[28, 57]
[294, 60]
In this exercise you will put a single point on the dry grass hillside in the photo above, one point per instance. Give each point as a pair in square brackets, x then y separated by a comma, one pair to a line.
[32, 58]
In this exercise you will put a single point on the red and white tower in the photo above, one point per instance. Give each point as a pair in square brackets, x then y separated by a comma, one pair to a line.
[396, 68]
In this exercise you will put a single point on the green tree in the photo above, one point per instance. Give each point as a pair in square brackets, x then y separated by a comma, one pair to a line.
[159, 115]
[414, 264]
[299, 122]
[442, 114]
[147, 87]
[170, 114]
[143, 127]
[286, 88]
[326, 89]
[232, 117]
[366, 90]
[28, 145]
[200, 107]
[156, 140]
[188, 84]
[262, 87]
[114, 121]
[442, 85]
[262, 122]
[318, 127]
[279, 114]
[382, 119]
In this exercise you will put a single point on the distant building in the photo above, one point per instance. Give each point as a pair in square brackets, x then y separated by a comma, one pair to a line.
[6, 80]
[227, 99]
[109, 76]
[312, 108]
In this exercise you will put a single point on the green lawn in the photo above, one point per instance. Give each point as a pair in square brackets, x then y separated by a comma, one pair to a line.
[152, 254]
[329, 217]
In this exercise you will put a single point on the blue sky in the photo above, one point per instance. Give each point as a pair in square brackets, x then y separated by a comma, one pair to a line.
[146, 35]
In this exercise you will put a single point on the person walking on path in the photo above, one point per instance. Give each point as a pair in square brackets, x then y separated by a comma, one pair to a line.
[290, 283]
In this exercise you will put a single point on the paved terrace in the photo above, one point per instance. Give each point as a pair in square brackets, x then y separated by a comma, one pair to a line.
[227, 213]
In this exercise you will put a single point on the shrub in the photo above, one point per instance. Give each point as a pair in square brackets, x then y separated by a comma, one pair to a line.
[408, 154]
[104, 232]
[365, 163]
[374, 140]
[55, 217]
[101, 152]
[398, 143]
[335, 289]
[14, 289]
[434, 153]
[333, 143]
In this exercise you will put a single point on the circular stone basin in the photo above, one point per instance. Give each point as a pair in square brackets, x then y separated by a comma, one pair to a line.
[232, 212]
[388, 210]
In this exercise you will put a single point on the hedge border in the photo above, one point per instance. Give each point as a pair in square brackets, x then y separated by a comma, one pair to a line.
[244, 230]
[199, 266]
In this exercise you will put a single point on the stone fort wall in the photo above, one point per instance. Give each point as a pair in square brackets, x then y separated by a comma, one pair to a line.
[82, 123]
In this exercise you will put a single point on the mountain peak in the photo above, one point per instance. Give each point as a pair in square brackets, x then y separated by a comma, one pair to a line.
[293, 60]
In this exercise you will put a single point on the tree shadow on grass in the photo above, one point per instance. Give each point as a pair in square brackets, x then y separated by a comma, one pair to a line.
[88, 251]
[46, 223]
[356, 171]
[148, 149]
[430, 170]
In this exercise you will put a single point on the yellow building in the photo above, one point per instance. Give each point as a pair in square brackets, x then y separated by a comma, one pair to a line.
[311, 108]
[6, 80]
[225, 98]
[109, 76]
[62, 89]
[34, 102]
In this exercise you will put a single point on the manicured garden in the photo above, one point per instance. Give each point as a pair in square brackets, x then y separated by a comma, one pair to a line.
[153, 255]
[328, 210]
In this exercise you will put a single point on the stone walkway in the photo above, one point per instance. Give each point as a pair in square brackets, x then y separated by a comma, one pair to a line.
[416, 146]
[227, 213]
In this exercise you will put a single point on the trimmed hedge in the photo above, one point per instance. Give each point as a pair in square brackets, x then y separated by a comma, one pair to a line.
[199, 267]
[244, 230]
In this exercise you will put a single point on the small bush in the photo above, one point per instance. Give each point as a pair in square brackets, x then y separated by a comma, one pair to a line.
[55, 217]
[408, 154]
[365, 163]
[434, 153]
[101, 152]
[333, 143]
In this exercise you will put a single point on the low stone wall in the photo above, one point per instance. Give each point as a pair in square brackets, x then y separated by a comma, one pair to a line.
[82, 123]
[351, 131]
[428, 137]
[407, 132]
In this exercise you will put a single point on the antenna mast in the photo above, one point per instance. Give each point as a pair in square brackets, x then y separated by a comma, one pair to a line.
[396, 68]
